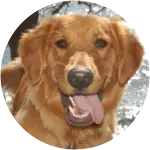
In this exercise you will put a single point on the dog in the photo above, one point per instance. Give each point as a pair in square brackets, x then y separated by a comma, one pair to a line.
[69, 78]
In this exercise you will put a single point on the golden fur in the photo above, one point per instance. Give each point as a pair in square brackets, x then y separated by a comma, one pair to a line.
[37, 101]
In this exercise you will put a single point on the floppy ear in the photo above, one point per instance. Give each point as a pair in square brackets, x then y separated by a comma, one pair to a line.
[19, 99]
[131, 52]
[11, 75]
[31, 50]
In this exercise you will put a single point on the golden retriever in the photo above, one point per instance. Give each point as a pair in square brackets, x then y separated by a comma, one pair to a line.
[69, 78]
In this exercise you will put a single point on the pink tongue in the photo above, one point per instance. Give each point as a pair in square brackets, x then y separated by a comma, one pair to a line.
[92, 104]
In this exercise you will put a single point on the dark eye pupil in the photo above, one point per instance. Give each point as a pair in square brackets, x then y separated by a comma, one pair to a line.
[61, 44]
[100, 43]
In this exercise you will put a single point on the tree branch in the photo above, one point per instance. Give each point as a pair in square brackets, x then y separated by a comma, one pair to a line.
[90, 7]
[54, 9]
[58, 7]
[100, 10]
[88, 4]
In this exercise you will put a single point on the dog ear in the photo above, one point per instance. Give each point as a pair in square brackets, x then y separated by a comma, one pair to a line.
[19, 99]
[131, 51]
[31, 50]
[11, 75]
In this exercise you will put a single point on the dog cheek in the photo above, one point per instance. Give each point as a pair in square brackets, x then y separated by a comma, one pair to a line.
[53, 76]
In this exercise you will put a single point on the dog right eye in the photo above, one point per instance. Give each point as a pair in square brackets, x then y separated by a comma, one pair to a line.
[100, 43]
[61, 44]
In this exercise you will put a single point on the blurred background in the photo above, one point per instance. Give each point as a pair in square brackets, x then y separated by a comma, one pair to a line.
[137, 88]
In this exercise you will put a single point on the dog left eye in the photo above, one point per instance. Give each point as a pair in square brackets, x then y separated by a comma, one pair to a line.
[61, 44]
[100, 43]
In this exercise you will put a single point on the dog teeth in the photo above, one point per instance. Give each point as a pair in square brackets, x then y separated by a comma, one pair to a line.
[77, 115]
[71, 109]
[72, 101]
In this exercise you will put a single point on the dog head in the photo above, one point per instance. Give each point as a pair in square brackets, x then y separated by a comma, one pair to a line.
[80, 56]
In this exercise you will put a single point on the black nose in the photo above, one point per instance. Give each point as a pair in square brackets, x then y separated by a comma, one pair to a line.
[80, 77]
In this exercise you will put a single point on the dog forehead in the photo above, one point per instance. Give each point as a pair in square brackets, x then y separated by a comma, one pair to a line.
[87, 27]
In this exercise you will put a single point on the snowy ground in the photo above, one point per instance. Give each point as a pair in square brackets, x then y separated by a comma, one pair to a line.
[134, 96]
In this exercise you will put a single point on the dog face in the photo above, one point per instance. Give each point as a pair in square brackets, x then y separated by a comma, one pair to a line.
[82, 55]
[82, 49]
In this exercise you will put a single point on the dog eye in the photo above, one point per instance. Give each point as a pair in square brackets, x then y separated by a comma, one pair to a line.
[100, 43]
[61, 44]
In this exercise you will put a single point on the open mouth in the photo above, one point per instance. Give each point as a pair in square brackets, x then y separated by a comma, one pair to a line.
[83, 110]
